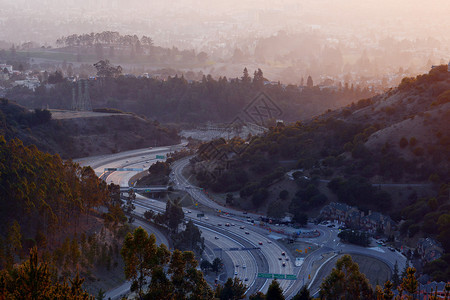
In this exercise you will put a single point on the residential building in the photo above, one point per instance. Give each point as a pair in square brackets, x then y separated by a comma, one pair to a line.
[429, 249]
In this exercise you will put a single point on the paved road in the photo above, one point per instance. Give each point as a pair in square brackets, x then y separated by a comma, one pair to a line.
[264, 260]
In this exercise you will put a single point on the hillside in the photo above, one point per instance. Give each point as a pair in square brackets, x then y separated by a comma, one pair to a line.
[75, 134]
[402, 135]
[368, 154]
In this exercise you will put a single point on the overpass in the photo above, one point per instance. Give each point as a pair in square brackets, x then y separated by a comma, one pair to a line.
[146, 189]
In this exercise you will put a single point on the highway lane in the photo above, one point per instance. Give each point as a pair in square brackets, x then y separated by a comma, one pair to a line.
[267, 257]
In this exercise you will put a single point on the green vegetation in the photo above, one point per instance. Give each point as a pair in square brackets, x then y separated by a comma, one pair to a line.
[36, 279]
[52, 194]
[177, 100]
[355, 237]
[173, 275]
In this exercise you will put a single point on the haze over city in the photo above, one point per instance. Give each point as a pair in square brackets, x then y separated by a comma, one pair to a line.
[240, 149]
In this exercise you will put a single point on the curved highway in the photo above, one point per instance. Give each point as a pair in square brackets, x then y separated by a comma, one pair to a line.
[261, 253]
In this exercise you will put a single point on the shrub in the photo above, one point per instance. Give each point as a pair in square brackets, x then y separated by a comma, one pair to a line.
[442, 98]
[403, 142]
[418, 151]
[412, 141]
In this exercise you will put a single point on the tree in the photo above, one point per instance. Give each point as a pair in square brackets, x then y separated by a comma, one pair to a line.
[258, 79]
[141, 255]
[275, 210]
[217, 265]
[245, 77]
[159, 168]
[56, 77]
[300, 217]
[283, 195]
[274, 292]
[205, 266]
[187, 281]
[409, 282]
[309, 82]
[257, 296]
[403, 142]
[395, 276]
[34, 279]
[173, 215]
[233, 289]
[106, 69]
[346, 281]
[388, 294]
[229, 199]
[303, 294]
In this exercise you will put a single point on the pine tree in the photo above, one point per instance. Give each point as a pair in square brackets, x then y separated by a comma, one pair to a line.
[409, 282]
[303, 294]
[388, 294]
[345, 280]
[274, 292]
[309, 82]
[395, 277]
[245, 78]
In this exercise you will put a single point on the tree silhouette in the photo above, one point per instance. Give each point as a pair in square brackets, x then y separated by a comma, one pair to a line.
[345, 280]
[274, 292]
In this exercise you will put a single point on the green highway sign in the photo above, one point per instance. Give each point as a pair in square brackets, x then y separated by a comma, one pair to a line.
[277, 276]
[200, 215]
[264, 275]
[160, 157]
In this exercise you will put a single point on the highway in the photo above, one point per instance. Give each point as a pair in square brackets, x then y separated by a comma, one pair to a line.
[266, 259]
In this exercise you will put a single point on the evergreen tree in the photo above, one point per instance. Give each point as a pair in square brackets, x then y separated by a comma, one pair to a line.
[345, 280]
[246, 78]
[409, 282]
[395, 276]
[309, 82]
[274, 292]
[303, 294]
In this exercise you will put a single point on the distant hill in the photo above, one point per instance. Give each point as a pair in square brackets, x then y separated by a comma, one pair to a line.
[79, 134]
[368, 154]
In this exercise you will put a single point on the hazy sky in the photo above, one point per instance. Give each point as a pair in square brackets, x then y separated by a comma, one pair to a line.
[45, 20]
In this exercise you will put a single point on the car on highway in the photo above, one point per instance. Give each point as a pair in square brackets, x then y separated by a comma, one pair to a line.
[246, 279]
[244, 266]
[219, 224]
[189, 211]
[227, 224]
[235, 273]
[237, 266]
[279, 258]
[392, 249]
[287, 258]
[242, 227]
[269, 242]
[260, 243]
[283, 253]
[247, 232]
[216, 237]
[206, 218]
[284, 264]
